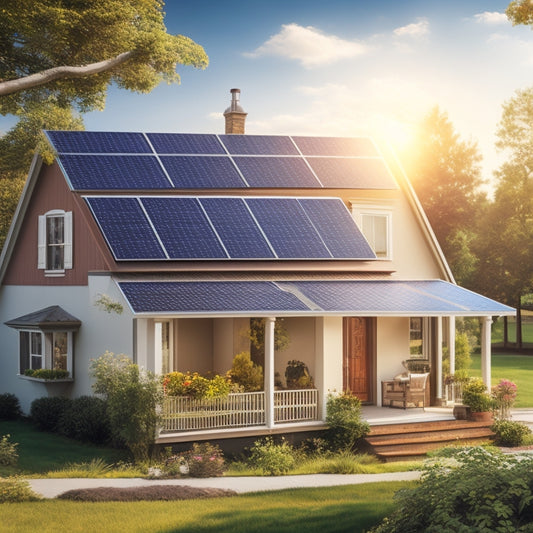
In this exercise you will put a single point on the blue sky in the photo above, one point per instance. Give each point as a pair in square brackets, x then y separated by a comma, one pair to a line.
[338, 67]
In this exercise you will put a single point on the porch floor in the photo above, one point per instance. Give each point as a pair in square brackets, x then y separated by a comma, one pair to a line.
[377, 416]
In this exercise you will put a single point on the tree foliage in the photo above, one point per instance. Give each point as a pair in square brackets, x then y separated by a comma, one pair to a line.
[520, 12]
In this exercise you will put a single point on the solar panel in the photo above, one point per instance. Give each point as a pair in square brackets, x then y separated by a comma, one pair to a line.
[208, 297]
[258, 145]
[337, 228]
[185, 143]
[183, 228]
[114, 172]
[336, 146]
[287, 227]
[98, 142]
[125, 228]
[202, 172]
[276, 172]
[352, 173]
[237, 229]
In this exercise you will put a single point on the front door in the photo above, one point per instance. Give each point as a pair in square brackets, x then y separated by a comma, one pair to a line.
[357, 361]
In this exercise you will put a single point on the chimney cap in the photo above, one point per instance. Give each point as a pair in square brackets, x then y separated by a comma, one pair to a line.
[235, 106]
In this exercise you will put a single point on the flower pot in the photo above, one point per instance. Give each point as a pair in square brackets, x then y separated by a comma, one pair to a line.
[483, 416]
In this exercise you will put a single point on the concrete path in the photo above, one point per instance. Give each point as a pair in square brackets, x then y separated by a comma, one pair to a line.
[50, 488]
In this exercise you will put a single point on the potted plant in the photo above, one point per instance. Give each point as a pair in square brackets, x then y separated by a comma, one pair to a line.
[480, 402]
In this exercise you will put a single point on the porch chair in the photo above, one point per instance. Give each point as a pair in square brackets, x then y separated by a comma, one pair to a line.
[411, 390]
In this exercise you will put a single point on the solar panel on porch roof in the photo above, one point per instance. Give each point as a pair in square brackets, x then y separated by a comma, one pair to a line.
[185, 143]
[113, 172]
[126, 228]
[258, 145]
[99, 142]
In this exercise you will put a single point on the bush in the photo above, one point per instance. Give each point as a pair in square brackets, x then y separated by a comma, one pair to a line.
[46, 373]
[9, 407]
[196, 386]
[45, 412]
[245, 373]
[8, 452]
[133, 397]
[85, 419]
[273, 459]
[15, 490]
[475, 395]
[504, 395]
[476, 491]
[343, 418]
[205, 460]
[297, 375]
[509, 433]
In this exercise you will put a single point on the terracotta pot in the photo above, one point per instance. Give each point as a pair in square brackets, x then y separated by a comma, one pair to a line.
[483, 416]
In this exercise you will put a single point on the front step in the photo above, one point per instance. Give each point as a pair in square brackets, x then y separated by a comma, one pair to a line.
[400, 441]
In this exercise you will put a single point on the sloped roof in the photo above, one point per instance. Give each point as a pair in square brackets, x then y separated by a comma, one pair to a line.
[52, 317]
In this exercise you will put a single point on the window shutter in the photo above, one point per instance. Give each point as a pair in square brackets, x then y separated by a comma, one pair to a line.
[41, 243]
[68, 240]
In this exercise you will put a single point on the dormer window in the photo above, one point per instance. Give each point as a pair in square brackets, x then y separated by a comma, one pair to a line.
[55, 242]
[376, 225]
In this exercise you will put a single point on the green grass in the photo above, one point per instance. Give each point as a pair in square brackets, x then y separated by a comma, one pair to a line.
[353, 508]
[517, 368]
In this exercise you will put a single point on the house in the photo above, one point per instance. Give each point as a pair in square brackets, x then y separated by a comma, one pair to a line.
[165, 246]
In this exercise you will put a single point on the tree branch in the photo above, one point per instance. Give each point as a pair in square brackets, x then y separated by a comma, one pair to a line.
[56, 73]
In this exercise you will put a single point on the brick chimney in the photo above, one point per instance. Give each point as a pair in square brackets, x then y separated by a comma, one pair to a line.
[235, 115]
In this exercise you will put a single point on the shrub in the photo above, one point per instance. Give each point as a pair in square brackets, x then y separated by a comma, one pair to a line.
[45, 412]
[8, 452]
[343, 418]
[9, 407]
[476, 491]
[504, 395]
[297, 375]
[46, 373]
[15, 490]
[245, 373]
[85, 419]
[509, 433]
[475, 395]
[205, 460]
[273, 459]
[133, 397]
[196, 386]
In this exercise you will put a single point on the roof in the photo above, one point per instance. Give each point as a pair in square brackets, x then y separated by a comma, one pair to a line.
[53, 317]
[307, 298]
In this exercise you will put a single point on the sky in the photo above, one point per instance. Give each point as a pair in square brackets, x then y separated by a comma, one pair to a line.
[339, 68]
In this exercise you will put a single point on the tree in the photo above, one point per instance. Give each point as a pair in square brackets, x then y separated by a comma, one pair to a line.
[520, 12]
[71, 51]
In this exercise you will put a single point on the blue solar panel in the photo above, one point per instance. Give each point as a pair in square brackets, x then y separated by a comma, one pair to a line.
[208, 297]
[237, 228]
[183, 228]
[337, 228]
[352, 173]
[336, 146]
[202, 172]
[185, 143]
[276, 172]
[258, 145]
[99, 142]
[287, 227]
[125, 228]
[114, 172]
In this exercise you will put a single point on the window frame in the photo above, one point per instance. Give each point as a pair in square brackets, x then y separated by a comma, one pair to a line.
[44, 244]
[424, 337]
[360, 211]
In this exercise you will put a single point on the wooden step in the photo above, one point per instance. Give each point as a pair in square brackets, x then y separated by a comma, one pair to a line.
[429, 436]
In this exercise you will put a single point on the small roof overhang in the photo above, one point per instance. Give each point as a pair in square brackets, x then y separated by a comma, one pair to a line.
[49, 318]
[307, 298]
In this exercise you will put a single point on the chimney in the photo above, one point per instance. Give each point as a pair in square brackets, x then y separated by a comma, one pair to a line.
[235, 115]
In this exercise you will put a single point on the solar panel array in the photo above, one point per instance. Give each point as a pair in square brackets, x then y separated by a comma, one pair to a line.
[95, 161]
[218, 228]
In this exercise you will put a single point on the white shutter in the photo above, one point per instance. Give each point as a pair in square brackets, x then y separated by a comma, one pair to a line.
[41, 243]
[68, 239]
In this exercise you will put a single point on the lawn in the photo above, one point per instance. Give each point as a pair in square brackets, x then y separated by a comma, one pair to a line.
[517, 368]
[353, 508]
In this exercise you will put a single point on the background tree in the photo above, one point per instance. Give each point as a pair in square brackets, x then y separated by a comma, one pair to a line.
[445, 172]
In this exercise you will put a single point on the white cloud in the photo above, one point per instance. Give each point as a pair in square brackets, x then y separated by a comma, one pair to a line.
[310, 46]
[491, 18]
[416, 29]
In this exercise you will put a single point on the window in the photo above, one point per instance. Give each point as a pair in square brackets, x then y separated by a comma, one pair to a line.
[45, 350]
[55, 242]
[376, 225]
[418, 338]
[163, 347]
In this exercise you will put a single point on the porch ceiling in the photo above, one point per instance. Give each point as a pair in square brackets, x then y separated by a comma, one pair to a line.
[307, 298]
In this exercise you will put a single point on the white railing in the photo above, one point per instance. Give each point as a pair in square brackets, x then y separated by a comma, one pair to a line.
[453, 392]
[181, 413]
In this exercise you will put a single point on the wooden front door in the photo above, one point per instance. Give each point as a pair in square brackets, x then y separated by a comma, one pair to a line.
[357, 362]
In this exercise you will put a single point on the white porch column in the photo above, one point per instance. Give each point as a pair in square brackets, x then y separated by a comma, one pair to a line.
[451, 343]
[438, 373]
[486, 350]
[269, 371]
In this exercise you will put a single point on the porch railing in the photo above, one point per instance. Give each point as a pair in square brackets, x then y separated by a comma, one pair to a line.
[453, 392]
[237, 410]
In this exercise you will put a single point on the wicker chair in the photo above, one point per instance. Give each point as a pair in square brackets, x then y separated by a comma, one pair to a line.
[409, 391]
